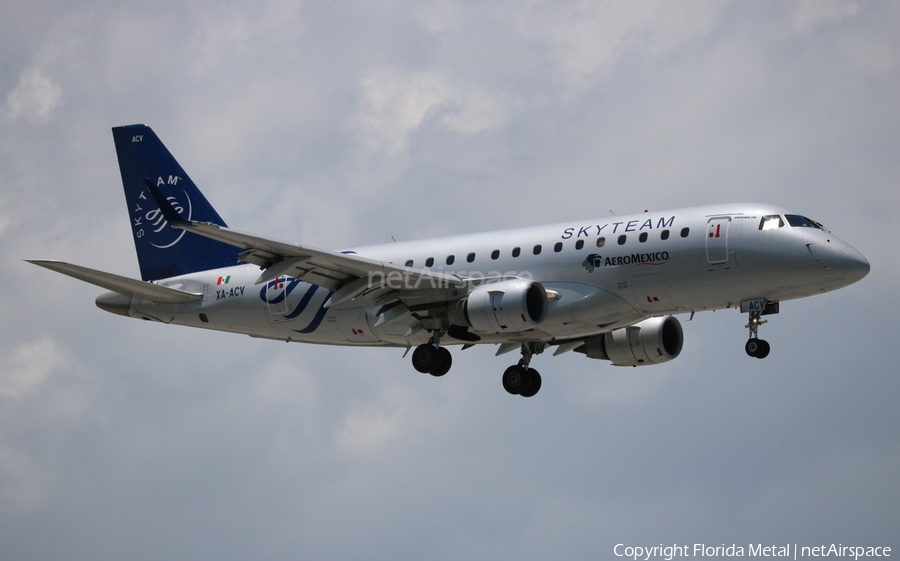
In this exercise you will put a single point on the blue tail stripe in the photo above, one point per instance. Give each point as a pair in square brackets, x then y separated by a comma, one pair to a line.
[163, 251]
[314, 324]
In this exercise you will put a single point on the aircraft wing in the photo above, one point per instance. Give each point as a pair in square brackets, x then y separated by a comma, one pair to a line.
[348, 275]
[122, 285]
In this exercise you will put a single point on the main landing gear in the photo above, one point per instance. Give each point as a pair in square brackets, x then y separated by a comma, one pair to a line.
[432, 359]
[756, 347]
[519, 379]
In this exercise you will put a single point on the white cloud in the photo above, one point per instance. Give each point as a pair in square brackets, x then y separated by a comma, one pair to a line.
[438, 16]
[223, 34]
[806, 14]
[396, 103]
[30, 366]
[34, 98]
[588, 37]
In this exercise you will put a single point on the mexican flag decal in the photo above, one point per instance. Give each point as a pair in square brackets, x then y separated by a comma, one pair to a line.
[223, 280]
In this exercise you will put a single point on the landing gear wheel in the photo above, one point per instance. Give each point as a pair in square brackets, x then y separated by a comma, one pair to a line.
[445, 360]
[533, 384]
[752, 347]
[514, 379]
[425, 358]
[757, 348]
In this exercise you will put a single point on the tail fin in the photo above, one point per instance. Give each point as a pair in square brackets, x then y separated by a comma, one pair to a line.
[162, 251]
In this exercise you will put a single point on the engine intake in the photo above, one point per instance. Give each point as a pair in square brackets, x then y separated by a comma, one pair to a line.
[652, 341]
[501, 307]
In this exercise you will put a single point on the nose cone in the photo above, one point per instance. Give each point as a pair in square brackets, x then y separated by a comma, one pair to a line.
[853, 265]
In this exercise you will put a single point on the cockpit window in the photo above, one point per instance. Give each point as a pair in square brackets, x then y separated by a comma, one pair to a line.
[771, 222]
[797, 221]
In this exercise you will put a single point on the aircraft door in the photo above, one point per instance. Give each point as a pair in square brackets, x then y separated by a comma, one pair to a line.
[276, 298]
[717, 239]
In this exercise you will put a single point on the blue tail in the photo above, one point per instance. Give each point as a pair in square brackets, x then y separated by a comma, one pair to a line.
[162, 251]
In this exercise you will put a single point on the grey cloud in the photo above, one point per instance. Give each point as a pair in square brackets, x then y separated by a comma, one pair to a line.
[339, 124]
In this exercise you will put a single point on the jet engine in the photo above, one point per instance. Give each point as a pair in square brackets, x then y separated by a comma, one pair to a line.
[501, 307]
[651, 341]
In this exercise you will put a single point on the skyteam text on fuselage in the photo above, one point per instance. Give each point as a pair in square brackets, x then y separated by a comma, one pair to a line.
[607, 288]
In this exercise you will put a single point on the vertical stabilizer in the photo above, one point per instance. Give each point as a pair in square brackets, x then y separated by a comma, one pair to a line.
[163, 251]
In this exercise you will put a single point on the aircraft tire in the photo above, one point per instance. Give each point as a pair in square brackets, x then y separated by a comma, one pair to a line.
[425, 358]
[532, 384]
[445, 361]
[763, 350]
[752, 347]
[514, 379]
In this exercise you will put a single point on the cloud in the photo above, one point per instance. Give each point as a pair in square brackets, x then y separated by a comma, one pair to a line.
[590, 37]
[23, 484]
[35, 98]
[131, 439]
[395, 103]
[30, 366]
[805, 14]
[39, 94]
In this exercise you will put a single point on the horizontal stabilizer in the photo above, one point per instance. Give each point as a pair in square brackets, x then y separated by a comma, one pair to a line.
[122, 285]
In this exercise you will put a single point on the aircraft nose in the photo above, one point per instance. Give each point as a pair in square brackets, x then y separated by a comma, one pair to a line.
[853, 264]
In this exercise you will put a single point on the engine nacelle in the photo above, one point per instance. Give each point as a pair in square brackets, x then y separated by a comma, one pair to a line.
[651, 341]
[501, 307]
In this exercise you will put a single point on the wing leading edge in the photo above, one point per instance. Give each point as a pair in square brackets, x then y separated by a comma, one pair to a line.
[348, 276]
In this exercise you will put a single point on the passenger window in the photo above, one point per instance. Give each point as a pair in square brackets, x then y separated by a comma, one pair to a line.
[622, 239]
[516, 251]
[643, 237]
[685, 232]
[537, 249]
[579, 244]
[429, 262]
[495, 254]
[601, 242]
[450, 259]
[470, 257]
[409, 263]
[558, 247]
[771, 222]
[664, 235]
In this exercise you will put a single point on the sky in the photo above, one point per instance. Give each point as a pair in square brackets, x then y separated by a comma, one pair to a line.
[341, 124]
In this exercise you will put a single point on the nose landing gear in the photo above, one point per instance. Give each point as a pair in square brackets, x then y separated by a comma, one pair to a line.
[756, 347]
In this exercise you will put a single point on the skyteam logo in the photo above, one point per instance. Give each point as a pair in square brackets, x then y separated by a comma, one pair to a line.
[148, 221]
[276, 295]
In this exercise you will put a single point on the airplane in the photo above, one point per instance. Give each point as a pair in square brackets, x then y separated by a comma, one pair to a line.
[608, 288]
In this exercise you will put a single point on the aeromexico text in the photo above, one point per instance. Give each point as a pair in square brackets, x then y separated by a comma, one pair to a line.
[790, 551]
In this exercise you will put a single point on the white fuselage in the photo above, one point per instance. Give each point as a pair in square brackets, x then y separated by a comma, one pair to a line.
[602, 274]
